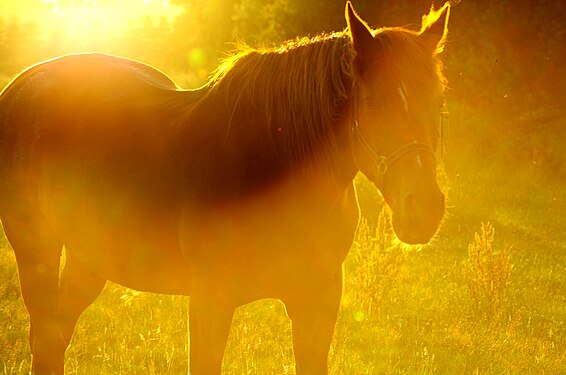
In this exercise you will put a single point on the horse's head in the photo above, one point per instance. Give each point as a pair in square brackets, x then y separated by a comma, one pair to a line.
[396, 105]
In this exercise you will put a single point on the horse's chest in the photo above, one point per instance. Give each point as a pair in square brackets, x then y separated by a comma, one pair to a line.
[266, 247]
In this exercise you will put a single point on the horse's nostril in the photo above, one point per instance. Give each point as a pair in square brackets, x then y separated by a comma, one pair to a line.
[419, 215]
[418, 207]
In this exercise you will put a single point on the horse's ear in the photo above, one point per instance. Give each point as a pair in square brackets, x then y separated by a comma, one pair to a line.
[360, 33]
[435, 27]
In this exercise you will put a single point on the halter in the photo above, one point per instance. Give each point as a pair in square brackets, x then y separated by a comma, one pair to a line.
[383, 162]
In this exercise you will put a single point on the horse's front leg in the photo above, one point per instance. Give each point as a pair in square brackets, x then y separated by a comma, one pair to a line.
[313, 316]
[210, 318]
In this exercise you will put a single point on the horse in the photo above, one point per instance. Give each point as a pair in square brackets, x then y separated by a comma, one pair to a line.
[233, 192]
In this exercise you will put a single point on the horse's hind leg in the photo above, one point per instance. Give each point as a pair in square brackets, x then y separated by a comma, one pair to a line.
[38, 253]
[78, 288]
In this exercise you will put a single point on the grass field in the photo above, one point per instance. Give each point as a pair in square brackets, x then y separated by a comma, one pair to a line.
[472, 302]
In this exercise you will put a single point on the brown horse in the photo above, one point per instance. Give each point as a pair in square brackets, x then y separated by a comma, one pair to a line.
[237, 191]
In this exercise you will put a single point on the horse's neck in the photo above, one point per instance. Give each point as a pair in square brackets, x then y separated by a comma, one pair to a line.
[218, 166]
[229, 150]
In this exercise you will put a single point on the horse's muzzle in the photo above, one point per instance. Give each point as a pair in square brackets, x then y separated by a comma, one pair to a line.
[418, 217]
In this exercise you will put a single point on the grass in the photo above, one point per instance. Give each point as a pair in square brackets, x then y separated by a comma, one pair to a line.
[405, 311]
[487, 271]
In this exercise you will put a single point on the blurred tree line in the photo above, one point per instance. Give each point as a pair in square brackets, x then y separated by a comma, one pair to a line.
[503, 59]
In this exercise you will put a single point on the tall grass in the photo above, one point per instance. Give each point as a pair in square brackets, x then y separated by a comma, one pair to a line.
[487, 271]
[375, 261]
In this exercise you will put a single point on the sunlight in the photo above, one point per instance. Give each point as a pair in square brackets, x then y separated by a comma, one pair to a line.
[83, 22]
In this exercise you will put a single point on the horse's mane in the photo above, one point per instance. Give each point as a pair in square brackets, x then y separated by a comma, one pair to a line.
[301, 88]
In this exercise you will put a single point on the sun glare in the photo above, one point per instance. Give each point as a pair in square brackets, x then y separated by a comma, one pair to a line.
[82, 22]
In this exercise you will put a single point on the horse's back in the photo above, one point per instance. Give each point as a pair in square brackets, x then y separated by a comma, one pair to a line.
[90, 100]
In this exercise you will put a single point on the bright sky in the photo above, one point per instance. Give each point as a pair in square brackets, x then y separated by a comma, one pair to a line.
[81, 17]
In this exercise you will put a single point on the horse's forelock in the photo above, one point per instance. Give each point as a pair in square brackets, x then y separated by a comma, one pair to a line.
[412, 57]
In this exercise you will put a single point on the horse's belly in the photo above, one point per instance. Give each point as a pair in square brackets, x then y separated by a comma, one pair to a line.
[132, 244]
[136, 260]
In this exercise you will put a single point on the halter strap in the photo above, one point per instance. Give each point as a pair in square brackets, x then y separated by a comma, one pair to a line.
[383, 162]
